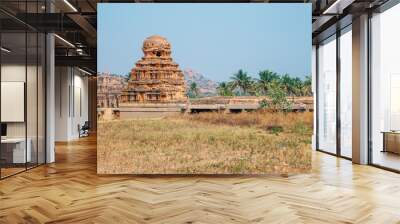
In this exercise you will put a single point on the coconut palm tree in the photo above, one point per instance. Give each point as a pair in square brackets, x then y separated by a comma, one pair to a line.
[288, 84]
[225, 89]
[307, 86]
[242, 81]
[253, 88]
[266, 77]
[297, 85]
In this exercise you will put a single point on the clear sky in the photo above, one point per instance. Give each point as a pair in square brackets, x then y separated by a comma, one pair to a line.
[215, 40]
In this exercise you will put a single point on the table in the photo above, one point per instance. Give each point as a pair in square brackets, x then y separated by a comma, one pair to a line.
[391, 141]
[15, 148]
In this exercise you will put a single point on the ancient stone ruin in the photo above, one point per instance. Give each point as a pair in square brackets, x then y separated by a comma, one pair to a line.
[109, 89]
[156, 78]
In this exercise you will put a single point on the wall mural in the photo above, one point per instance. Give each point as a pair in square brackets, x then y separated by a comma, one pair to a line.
[204, 89]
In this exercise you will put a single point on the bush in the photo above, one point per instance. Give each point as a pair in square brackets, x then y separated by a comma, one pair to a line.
[278, 98]
[275, 129]
[301, 128]
[263, 104]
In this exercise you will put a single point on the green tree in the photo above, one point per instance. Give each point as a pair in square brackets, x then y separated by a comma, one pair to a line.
[253, 88]
[287, 84]
[193, 90]
[277, 98]
[297, 86]
[242, 81]
[307, 86]
[266, 77]
[225, 89]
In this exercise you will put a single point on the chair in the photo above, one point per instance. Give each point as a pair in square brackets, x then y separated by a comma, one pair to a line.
[84, 130]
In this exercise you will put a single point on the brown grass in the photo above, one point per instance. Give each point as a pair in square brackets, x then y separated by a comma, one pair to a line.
[207, 143]
[259, 119]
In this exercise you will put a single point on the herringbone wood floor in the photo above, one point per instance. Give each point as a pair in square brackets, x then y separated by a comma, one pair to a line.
[69, 191]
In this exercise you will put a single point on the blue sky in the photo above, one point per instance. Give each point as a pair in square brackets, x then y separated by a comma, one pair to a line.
[213, 39]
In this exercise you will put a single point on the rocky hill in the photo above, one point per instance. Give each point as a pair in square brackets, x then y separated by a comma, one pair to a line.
[206, 86]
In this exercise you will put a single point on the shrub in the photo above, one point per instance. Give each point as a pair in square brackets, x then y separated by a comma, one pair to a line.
[291, 122]
[275, 129]
[278, 98]
[301, 128]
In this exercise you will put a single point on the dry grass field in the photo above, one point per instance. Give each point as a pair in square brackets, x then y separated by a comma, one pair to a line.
[207, 143]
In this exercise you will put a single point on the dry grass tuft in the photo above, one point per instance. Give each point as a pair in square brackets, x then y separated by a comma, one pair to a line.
[207, 143]
[301, 123]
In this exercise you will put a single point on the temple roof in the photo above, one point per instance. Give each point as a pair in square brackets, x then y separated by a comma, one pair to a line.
[156, 42]
[160, 75]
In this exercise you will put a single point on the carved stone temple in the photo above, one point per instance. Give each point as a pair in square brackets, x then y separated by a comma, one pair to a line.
[156, 78]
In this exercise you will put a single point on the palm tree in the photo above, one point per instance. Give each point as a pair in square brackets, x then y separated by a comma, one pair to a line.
[241, 80]
[225, 89]
[193, 90]
[287, 84]
[266, 77]
[307, 86]
[297, 84]
[253, 88]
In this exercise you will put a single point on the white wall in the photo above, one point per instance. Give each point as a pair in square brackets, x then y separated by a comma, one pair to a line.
[62, 81]
[33, 127]
[16, 72]
[71, 102]
[80, 105]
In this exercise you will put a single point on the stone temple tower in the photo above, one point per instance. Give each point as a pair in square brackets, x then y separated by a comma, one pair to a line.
[156, 78]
